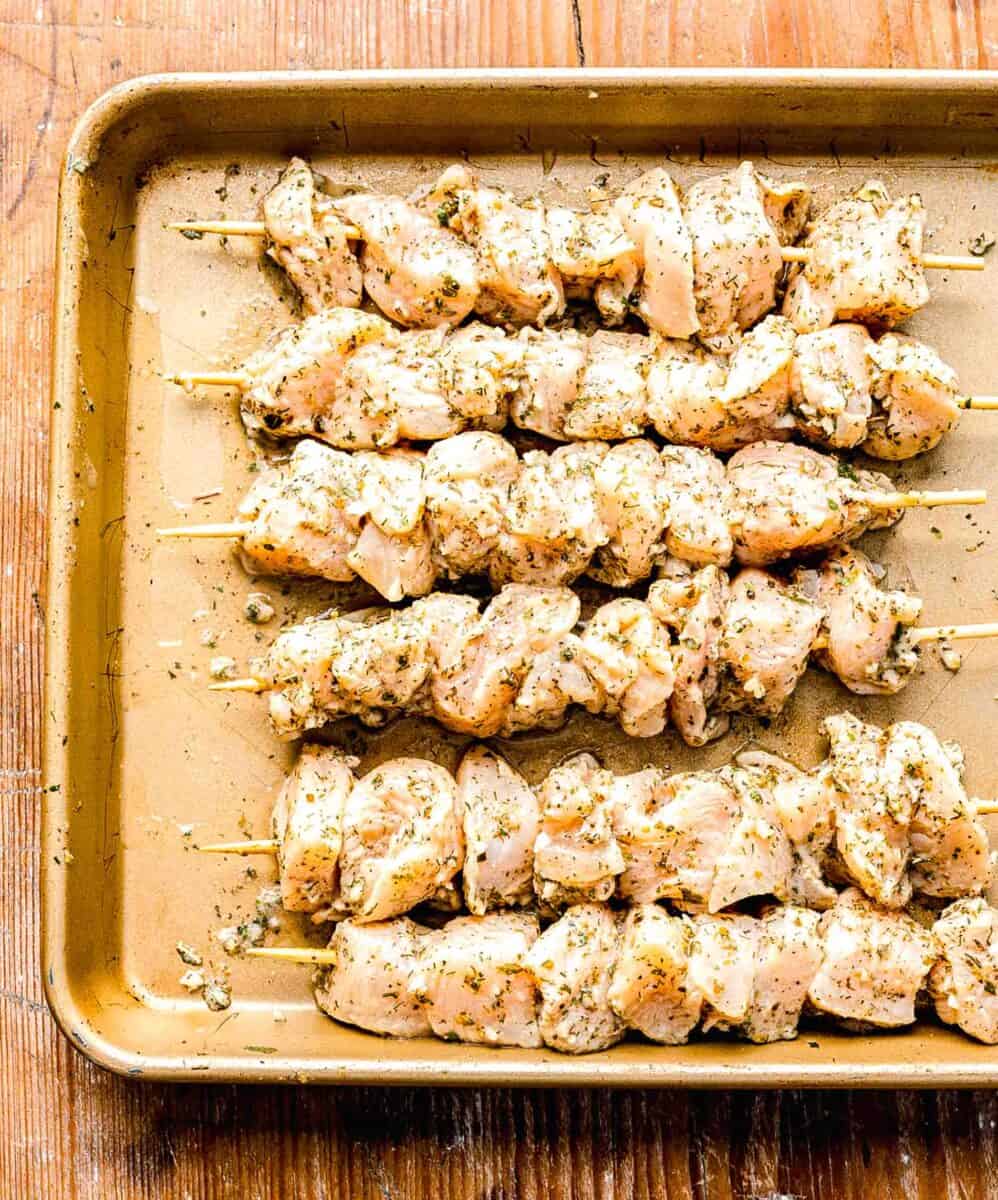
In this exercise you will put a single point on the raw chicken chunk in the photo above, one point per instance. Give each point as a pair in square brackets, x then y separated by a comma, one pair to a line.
[964, 980]
[650, 990]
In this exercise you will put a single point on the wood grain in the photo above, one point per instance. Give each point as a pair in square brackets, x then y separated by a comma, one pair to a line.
[67, 1129]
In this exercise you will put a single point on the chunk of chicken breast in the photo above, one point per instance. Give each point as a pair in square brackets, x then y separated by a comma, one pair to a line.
[576, 856]
[769, 628]
[917, 395]
[867, 646]
[651, 214]
[700, 399]
[692, 604]
[788, 955]
[790, 500]
[626, 651]
[634, 506]
[873, 966]
[478, 370]
[308, 826]
[650, 990]
[964, 980]
[722, 968]
[609, 400]
[519, 282]
[738, 221]
[758, 857]
[549, 380]
[949, 844]
[308, 240]
[501, 818]
[864, 263]
[403, 838]
[592, 251]
[830, 384]
[415, 270]
[876, 803]
[468, 478]
[299, 382]
[474, 980]
[700, 506]
[370, 983]
[572, 962]
[552, 524]
[477, 680]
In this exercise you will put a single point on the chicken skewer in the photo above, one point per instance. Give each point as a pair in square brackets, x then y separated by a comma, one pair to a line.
[351, 379]
[886, 812]
[469, 505]
[596, 973]
[708, 263]
[701, 646]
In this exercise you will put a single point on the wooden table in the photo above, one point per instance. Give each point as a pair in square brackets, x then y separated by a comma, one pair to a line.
[66, 1128]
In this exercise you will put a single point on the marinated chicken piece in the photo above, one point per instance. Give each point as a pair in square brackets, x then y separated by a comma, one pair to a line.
[788, 956]
[699, 399]
[692, 604]
[501, 818]
[301, 517]
[769, 628]
[381, 663]
[370, 983]
[651, 214]
[650, 989]
[758, 859]
[404, 380]
[700, 500]
[308, 827]
[804, 804]
[415, 270]
[917, 395]
[626, 652]
[475, 983]
[722, 968]
[873, 966]
[609, 400]
[576, 857]
[550, 379]
[478, 679]
[308, 240]
[468, 478]
[738, 222]
[299, 382]
[556, 679]
[672, 831]
[949, 844]
[395, 565]
[634, 510]
[519, 282]
[552, 524]
[831, 383]
[877, 801]
[868, 647]
[964, 979]
[402, 838]
[789, 500]
[864, 263]
[478, 370]
[572, 962]
[591, 250]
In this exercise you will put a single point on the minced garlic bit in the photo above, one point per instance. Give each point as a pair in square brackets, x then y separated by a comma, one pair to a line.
[222, 666]
[258, 608]
[951, 659]
[189, 955]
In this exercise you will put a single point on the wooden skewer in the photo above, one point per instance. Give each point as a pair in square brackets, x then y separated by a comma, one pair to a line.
[302, 954]
[979, 403]
[924, 499]
[937, 262]
[795, 254]
[232, 529]
[189, 380]
[925, 633]
[238, 685]
[261, 846]
[985, 808]
[244, 228]
[954, 633]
